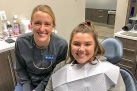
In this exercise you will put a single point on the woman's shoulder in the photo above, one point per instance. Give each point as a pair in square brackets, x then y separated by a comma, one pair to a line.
[25, 40]
[59, 65]
[25, 36]
[103, 59]
[109, 65]
[57, 39]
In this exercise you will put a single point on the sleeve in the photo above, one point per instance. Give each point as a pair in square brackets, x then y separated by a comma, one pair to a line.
[43, 84]
[49, 85]
[120, 86]
[40, 87]
[21, 69]
[62, 52]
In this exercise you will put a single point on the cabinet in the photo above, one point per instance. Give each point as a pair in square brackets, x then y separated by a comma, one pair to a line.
[93, 15]
[7, 76]
[12, 54]
[102, 16]
[111, 19]
[129, 59]
[96, 15]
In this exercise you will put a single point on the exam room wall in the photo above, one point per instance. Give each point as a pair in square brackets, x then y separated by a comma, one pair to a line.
[68, 12]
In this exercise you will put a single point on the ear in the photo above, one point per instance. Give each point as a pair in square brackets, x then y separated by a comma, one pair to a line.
[30, 26]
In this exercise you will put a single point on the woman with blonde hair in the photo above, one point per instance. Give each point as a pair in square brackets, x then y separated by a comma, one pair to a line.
[37, 53]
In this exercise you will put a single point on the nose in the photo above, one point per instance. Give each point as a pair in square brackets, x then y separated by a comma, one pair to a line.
[42, 27]
[81, 48]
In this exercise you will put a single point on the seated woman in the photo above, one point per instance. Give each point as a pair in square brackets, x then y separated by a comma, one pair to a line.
[86, 69]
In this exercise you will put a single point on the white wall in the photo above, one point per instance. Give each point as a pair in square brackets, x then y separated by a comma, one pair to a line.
[101, 4]
[68, 12]
[121, 12]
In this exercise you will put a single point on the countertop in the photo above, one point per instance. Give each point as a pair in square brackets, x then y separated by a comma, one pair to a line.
[127, 34]
[4, 46]
[133, 18]
[111, 12]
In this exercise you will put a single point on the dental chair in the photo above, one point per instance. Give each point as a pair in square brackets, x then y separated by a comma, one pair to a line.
[114, 51]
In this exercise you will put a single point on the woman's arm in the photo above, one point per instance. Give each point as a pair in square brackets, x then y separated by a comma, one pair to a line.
[62, 52]
[20, 69]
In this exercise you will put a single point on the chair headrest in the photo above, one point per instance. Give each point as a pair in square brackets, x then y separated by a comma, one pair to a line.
[113, 49]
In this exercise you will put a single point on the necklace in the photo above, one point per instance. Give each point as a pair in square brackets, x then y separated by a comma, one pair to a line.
[41, 60]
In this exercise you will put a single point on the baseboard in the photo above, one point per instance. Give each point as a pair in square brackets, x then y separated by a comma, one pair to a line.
[103, 24]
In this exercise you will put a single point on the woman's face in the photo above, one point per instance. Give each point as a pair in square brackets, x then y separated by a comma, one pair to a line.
[82, 47]
[42, 26]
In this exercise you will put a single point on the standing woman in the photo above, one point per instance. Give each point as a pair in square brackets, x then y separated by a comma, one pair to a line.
[37, 53]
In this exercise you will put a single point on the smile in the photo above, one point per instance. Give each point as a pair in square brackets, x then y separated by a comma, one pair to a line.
[83, 54]
[41, 34]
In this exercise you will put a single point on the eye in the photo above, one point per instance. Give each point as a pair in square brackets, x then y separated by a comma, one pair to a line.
[37, 23]
[47, 24]
[88, 44]
[76, 44]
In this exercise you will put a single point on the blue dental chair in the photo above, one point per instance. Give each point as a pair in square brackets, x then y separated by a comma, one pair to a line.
[114, 52]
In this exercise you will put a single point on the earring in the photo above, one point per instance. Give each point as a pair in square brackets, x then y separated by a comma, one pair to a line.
[54, 31]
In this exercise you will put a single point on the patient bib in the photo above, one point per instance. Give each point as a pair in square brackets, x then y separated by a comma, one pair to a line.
[86, 77]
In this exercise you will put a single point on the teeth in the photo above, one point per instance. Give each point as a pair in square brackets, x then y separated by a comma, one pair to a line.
[81, 54]
[40, 33]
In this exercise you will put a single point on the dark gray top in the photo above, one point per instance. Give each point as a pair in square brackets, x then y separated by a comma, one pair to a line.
[34, 65]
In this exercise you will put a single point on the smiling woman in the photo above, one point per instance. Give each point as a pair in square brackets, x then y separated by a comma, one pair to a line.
[86, 65]
[37, 53]
[42, 23]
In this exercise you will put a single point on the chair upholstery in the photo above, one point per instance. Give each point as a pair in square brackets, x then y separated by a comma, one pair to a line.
[129, 79]
[114, 51]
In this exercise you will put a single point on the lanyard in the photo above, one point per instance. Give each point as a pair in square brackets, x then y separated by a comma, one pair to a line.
[45, 62]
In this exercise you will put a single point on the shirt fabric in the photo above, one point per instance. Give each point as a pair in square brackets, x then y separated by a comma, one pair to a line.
[30, 59]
